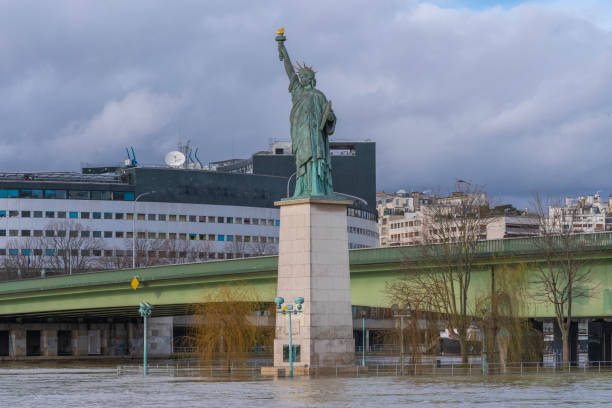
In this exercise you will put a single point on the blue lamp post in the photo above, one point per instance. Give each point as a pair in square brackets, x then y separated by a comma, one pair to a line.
[363, 337]
[289, 310]
[145, 312]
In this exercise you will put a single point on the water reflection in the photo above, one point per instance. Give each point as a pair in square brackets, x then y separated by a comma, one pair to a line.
[101, 387]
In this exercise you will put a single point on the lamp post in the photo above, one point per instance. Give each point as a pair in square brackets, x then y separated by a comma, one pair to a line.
[145, 312]
[134, 226]
[363, 337]
[484, 341]
[289, 310]
[396, 313]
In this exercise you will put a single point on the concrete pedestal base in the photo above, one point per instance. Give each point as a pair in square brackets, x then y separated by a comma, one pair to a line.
[313, 264]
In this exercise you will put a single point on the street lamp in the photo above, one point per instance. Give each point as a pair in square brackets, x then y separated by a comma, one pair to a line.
[134, 226]
[145, 312]
[396, 313]
[289, 310]
[363, 337]
[484, 341]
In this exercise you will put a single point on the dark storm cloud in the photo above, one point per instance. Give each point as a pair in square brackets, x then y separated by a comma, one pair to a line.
[518, 99]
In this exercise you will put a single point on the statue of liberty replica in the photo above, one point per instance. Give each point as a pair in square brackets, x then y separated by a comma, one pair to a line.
[312, 122]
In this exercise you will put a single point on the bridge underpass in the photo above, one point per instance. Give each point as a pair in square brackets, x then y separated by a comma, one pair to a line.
[104, 303]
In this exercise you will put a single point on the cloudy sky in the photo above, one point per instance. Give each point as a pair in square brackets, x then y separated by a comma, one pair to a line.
[514, 95]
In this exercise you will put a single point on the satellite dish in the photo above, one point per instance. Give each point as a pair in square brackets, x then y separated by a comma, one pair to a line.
[174, 159]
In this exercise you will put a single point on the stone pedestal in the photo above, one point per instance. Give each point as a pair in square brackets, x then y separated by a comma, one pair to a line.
[313, 263]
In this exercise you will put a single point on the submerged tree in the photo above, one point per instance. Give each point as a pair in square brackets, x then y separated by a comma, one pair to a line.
[440, 279]
[564, 275]
[227, 325]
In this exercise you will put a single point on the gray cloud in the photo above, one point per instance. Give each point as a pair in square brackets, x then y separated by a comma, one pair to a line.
[517, 99]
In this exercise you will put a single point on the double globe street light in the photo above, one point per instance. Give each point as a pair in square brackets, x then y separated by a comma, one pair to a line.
[289, 310]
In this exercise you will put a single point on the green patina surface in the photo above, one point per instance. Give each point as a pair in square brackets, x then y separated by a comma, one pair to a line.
[371, 269]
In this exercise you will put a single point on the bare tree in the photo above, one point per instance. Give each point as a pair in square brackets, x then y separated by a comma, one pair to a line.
[25, 258]
[70, 247]
[440, 280]
[564, 275]
[262, 247]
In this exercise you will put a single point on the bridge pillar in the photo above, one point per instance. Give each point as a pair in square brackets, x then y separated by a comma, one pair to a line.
[49, 340]
[17, 346]
[79, 340]
[313, 263]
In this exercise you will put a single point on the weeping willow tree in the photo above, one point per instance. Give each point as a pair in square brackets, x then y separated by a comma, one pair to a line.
[510, 337]
[227, 329]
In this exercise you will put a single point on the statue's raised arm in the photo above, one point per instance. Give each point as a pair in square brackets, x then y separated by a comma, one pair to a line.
[283, 55]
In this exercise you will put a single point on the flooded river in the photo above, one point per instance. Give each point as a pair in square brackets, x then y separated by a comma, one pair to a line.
[99, 387]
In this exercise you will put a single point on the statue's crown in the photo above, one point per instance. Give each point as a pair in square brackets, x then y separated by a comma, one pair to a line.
[304, 67]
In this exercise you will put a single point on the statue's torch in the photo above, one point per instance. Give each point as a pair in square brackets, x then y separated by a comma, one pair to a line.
[280, 38]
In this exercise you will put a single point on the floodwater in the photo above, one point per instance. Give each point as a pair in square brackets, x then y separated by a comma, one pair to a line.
[101, 387]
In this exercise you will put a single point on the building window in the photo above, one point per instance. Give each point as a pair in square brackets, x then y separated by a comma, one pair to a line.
[97, 234]
[118, 216]
[49, 214]
[38, 233]
[108, 216]
[202, 218]
[129, 234]
[55, 194]
[220, 220]
[162, 235]
[108, 234]
[85, 214]
[193, 237]
[123, 196]
[25, 252]
[230, 238]
[211, 237]
[238, 220]
[97, 252]
[13, 214]
[9, 193]
[61, 233]
[270, 223]
[78, 195]
[129, 216]
[73, 214]
[27, 193]
[141, 217]
[25, 214]
[84, 234]
[3, 233]
[182, 218]
[183, 236]
[172, 235]
[151, 217]
[101, 195]
[61, 214]
[151, 235]
[202, 237]
[211, 219]
[13, 251]
[108, 252]
[230, 220]
[172, 217]
[255, 221]
[161, 217]
[38, 214]
[97, 216]
[140, 234]
[247, 221]
[192, 218]
[118, 234]
[277, 223]
[3, 214]
[74, 234]
[25, 233]
[49, 252]
[247, 238]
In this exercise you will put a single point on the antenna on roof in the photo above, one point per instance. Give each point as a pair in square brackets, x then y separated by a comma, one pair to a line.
[196, 156]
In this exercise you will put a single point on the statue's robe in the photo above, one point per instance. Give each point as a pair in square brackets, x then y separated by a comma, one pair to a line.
[310, 143]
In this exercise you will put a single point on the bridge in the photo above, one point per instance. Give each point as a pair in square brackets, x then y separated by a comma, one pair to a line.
[172, 288]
